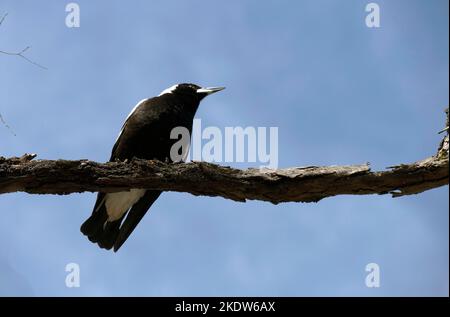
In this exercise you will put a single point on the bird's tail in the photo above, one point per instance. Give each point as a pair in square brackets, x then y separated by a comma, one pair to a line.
[98, 229]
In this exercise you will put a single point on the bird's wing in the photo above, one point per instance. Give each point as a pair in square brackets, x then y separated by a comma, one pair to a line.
[120, 138]
[134, 216]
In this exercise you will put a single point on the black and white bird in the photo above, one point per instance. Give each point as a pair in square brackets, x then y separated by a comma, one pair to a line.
[146, 135]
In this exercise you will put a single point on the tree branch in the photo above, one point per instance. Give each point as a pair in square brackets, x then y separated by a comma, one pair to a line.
[302, 184]
[299, 184]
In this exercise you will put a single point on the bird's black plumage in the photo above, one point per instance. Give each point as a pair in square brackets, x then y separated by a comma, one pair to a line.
[146, 135]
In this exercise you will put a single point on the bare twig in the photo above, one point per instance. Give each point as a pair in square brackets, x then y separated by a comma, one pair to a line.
[3, 18]
[20, 53]
[6, 125]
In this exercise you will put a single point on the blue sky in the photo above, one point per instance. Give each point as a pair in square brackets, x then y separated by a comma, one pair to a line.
[339, 92]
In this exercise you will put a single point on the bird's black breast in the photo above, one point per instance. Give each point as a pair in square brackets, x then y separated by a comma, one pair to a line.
[146, 133]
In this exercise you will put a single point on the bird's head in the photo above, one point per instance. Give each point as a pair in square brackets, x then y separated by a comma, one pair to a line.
[191, 91]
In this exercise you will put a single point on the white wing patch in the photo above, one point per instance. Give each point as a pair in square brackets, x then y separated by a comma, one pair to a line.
[118, 203]
[129, 115]
[168, 90]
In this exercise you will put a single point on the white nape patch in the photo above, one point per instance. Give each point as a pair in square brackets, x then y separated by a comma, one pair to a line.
[129, 115]
[119, 203]
[168, 90]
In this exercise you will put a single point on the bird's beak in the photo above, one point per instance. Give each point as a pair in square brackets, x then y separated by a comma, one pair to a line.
[209, 90]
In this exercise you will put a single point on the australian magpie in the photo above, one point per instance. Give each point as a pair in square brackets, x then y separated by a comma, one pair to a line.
[146, 135]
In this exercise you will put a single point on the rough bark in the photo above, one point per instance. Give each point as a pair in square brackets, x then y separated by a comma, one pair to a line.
[298, 184]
